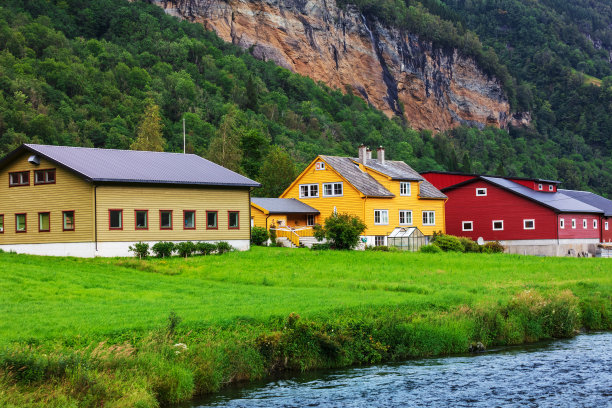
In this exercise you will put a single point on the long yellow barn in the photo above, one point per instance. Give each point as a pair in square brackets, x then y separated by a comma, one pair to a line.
[85, 202]
[385, 194]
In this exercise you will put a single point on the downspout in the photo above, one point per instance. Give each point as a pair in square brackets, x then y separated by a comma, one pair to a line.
[96, 216]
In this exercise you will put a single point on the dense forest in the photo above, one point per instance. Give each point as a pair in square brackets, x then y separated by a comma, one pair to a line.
[102, 72]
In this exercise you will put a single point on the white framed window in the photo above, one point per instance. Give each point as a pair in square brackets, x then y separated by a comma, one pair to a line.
[480, 192]
[332, 189]
[319, 166]
[606, 225]
[562, 223]
[498, 225]
[573, 223]
[379, 240]
[467, 226]
[310, 219]
[529, 224]
[405, 217]
[540, 187]
[429, 218]
[551, 187]
[405, 188]
[594, 224]
[309, 190]
[381, 217]
[584, 224]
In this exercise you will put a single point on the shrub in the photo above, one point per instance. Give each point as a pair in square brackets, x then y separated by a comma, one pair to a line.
[320, 247]
[140, 249]
[341, 230]
[205, 248]
[223, 247]
[259, 236]
[493, 247]
[430, 249]
[448, 243]
[382, 248]
[163, 249]
[469, 245]
[185, 249]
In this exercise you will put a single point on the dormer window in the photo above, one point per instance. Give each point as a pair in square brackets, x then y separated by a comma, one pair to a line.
[480, 192]
[540, 187]
[551, 188]
[404, 188]
[319, 166]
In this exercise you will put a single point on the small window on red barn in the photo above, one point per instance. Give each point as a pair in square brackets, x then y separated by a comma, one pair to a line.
[594, 224]
[467, 226]
[562, 223]
[498, 225]
[528, 224]
[584, 224]
[480, 192]
[551, 188]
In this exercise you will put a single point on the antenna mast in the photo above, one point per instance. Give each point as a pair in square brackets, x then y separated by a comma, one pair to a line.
[183, 135]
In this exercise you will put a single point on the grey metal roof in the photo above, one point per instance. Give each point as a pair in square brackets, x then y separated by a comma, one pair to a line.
[362, 181]
[284, 206]
[428, 190]
[557, 201]
[591, 199]
[132, 166]
[397, 170]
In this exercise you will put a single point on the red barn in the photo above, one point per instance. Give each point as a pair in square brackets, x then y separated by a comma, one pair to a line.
[605, 225]
[528, 216]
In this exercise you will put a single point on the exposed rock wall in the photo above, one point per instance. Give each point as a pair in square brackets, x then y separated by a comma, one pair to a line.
[392, 70]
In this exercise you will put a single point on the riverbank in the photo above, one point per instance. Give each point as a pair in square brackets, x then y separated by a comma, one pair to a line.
[123, 332]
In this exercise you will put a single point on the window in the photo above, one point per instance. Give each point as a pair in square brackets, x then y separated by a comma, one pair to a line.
[404, 188]
[467, 226]
[429, 218]
[233, 219]
[562, 223]
[405, 217]
[584, 224]
[540, 187]
[594, 224]
[309, 190]
[480, 192]
[606, 225]
[68, 220]
[21, 223]
[44, 176]
[381, 217]
[189, 220]
[211, 220]
[115, 219]
[165, 219]
[573, 223]
[44, 219]
[319, 166]
[332, 189]
[551, 188]
[310, 220]
[379, 240]
[498, 225]
[528, 224]
[1, 223]
[21, 178]
[141, 219]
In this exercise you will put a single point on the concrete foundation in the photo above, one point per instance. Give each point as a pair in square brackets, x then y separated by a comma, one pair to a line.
[552, 247]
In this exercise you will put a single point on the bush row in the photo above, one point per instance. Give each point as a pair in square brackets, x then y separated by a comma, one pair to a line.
[164, 249]
[451, 243]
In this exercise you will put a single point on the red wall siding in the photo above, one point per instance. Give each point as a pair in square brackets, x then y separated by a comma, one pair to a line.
[441, 180]
[534, 185]
[606, 236]
[579, 231]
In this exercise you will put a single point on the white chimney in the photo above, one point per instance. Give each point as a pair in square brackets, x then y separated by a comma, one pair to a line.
[369, 154]
[362, 154]
[380, 152]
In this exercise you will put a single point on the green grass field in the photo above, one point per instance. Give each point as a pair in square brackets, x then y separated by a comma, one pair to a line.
[353, 307]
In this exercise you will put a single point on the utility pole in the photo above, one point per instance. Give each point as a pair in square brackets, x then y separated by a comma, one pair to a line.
[184, 149]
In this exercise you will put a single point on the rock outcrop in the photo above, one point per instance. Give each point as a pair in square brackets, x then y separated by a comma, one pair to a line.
[392, 70]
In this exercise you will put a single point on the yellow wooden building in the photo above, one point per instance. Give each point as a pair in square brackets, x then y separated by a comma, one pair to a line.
[281, 212]
[385, 194]
[59, 200]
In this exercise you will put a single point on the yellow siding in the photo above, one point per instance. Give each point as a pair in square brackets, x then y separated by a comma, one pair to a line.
[69, 193]
[351, 202]
[259, 218]
[177, 199]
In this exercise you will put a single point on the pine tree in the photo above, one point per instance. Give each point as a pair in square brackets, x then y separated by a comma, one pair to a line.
[149, 135]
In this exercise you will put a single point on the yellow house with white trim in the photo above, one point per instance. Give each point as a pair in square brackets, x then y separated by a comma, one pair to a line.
[385, 194]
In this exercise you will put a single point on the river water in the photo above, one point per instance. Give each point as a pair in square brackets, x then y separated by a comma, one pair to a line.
[566, 373]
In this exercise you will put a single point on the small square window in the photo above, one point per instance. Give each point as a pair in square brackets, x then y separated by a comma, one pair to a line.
[68, 220]
[562, 223]
[467, 226]
[189, 220]
[21, 223]
[233, 220]
[165, 219]
[498, 225]
[115, 219]
[211, 220]
[481, 192]
[405, 188]
[528, 224]
[44, 220]
[141, 219]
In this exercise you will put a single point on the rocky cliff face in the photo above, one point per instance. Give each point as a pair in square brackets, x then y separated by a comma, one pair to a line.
[392, 70]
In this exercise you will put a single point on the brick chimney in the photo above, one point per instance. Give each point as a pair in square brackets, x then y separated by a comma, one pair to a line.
[362, 154]
[369, 154]
[380, 153]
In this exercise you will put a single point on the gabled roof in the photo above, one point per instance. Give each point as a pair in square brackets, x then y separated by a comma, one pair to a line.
[556, 201]
[132, 166]
[397, 170]
[591, 199]
[283, 206]
[458, 173]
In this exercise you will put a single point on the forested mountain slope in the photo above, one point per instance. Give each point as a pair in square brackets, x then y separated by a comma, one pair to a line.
[82, 72]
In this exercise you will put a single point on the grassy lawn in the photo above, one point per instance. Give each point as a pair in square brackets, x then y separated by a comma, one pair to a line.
[47, 297]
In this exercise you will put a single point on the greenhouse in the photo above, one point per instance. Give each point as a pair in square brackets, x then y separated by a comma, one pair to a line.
[407, 239]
